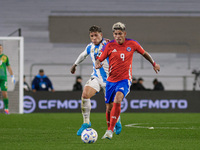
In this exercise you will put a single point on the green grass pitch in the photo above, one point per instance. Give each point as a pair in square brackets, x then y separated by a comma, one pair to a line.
[57, 131]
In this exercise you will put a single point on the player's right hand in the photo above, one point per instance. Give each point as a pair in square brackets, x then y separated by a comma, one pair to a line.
[98, 64]
[156, 68]
[13, 79]
[73, 69]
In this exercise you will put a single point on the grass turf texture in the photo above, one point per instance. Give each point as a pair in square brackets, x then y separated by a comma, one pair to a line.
[57, 131]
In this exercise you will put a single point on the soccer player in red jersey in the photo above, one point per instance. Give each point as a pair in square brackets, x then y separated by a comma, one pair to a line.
[120, 53]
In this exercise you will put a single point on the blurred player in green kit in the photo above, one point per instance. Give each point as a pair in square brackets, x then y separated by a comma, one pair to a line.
[4, 63]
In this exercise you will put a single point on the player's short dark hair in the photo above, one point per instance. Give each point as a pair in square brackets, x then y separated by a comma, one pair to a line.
[95, 28]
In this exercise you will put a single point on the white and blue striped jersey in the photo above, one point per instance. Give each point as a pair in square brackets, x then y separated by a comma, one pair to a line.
[93, 51]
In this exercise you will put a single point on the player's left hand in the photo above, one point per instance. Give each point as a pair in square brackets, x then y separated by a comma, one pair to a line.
[13, 79]
[156, 68]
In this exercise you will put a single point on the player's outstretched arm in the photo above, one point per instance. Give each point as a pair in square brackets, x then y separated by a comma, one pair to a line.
[80, 59]
[156, 67]
[73, 68]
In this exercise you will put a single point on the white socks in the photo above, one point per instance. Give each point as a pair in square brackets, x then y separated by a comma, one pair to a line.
[86, 107]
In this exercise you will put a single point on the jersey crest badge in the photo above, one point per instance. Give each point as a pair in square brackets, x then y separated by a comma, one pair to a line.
[128, 49]
[99, 54]
[96, 50]
[3, 58]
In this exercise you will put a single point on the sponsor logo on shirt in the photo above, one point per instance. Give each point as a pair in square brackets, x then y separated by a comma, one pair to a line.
[114, 50]
[128, 49]
[122, 88]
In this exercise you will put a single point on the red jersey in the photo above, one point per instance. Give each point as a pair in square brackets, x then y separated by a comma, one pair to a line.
[120, 58]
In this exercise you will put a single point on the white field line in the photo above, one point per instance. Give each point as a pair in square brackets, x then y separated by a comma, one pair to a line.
[140, 125]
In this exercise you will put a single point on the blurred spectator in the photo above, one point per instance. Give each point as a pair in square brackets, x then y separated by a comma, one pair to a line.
[41, 82]
[158, 86]
[26, 86]
[134, 84]
[78, 84]
[140, 85]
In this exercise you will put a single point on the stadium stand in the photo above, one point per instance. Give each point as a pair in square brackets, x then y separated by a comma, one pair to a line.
[32, 18]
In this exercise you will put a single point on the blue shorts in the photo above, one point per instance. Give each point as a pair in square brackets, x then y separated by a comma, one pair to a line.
[113, 87]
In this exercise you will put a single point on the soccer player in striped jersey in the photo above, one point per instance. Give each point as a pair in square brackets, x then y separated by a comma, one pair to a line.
[4, 63]
[120, 53]
[98, 76]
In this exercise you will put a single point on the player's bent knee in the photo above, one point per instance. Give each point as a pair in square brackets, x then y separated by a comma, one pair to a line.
[88, 93]
[119, 97]
[86, 96]
[118, 101]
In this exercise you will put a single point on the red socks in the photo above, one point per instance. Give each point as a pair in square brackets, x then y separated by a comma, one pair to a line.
[115, 112]
[108, 119]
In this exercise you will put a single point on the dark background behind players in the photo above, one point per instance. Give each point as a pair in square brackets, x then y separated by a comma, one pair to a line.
[26, 86]
[134, 84]
[158, 86]
[78, 84]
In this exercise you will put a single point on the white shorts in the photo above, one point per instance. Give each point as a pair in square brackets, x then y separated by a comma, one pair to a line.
[96, 84]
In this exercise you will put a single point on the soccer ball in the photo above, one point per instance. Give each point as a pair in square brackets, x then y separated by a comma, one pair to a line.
[89, 135]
